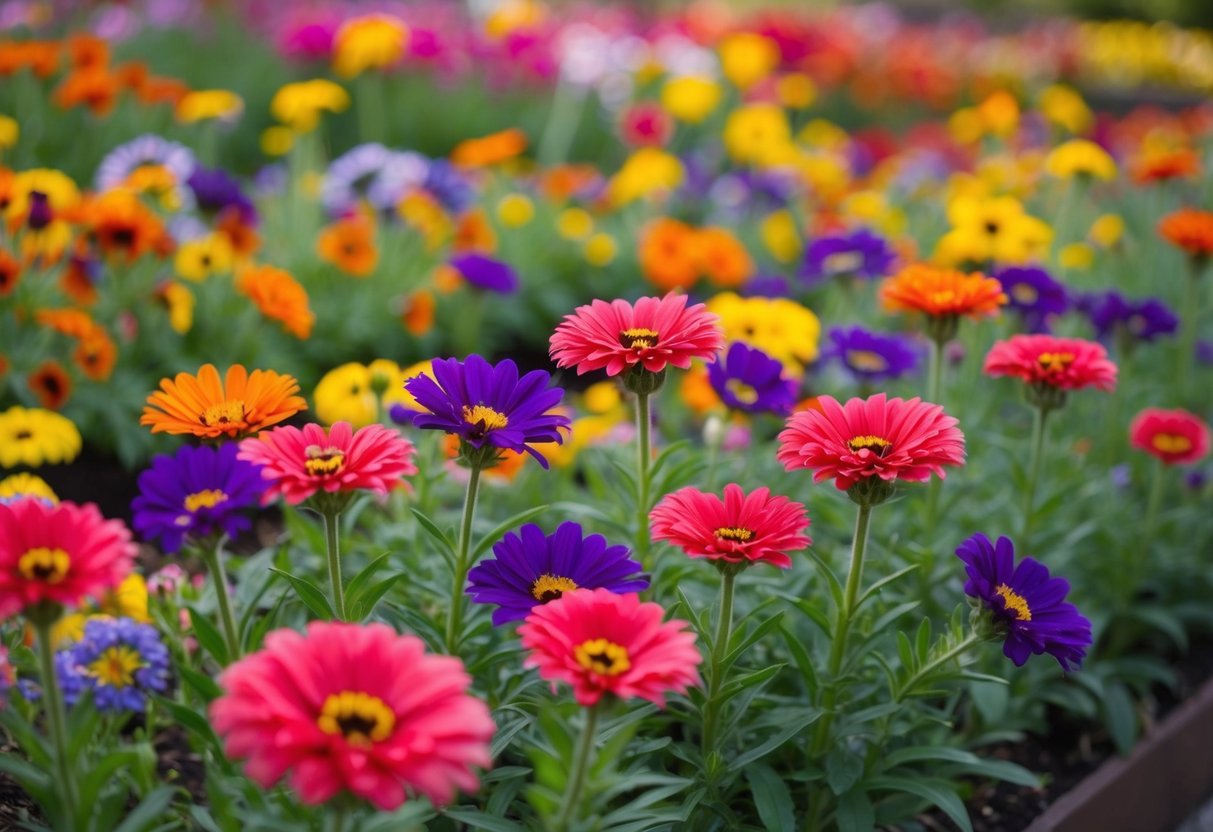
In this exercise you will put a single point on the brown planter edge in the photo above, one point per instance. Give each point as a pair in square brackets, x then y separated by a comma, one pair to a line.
[1165, 779]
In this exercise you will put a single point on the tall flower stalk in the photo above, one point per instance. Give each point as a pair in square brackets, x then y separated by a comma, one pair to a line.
[43, 618]
[720, 647]
[212, 556]
[332, 549]
[644, 456]
[577, 775]
[454, 620]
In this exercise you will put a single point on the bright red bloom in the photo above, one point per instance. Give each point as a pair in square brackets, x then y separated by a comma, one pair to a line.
[61, 554]
[646, 124]
[617, 336]
[1177, 437]
[600, 643]
[1063, 363]
[893, 439]
[299, 463]
[741, 528]
[353, 707]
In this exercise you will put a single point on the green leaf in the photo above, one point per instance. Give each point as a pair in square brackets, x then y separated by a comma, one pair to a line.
[191, 719]
[102, 773]
[360, 581]
[749, 680]
[208, 636]
[771, 798]
[966, 760]
[871, 591]
[752, 638]
[310, 594]
[831, 579]
[503, 527]
[149, 811]
[438, 535]
[478, 820]
[779, 738]
[31, 778]
[938, 793]
[843, 770]
[27, 737]
[855, 812]
[200, 683]
[804, 662]
[1120, 716]
[365, 603]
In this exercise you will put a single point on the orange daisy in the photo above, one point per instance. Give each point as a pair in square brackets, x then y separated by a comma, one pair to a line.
[96, 354]
[51, 384]
[943, 295]
[1171, 164]
[10, 273]
[1189, 229]
[723, 258]
[279, 297]
[76, 281]
[41, 56]
[239, 405]
[159, 90]
[489, 150]
[244, 239]
[418, 313]
[74, 323]
[121, 224]
[88, 51]
[94, 88]
[669, 255]
[473, 232]
[349, 244]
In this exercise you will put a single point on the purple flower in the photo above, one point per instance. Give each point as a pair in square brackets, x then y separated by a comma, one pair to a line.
[1026, 606]
[120, 660]
[872, 356]
[148, 150]
[195, 493]
[485, 272]
[1034, 294]
[375, 172]
[530, 568]
[215, 189]
[766, 286]
[489, 406]
[858, 254]
[749, 380]
[449, 186]
[1144, 320]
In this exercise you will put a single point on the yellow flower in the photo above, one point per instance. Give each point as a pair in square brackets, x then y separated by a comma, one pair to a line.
[780, 236]
[1064, 107]
[202, 105]
[510, 15]
[277, 141]
[992, 229]
[424, 213]
[602, 397]
[34, 437]
[1078, 256]
[645, 173]
[757, 134]
[374, 41]
[1107, 230]
[826, 173]
[299, 105]
[690, 98]
[782, 328]
[180, 302]
[748, 58]
[129, 600]
[26, 485]
[872, 208]
[824, 134]
[1079, 157]
[796, 91]
[966, 126]
[344, 394]
[60, 191]
[10, 131]
[999, 113]
[600, 249]
[574, 224]
[197, 260]
[515, 210]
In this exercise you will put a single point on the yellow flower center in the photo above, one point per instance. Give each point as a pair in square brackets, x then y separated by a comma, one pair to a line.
[601, 656]
[866, 360]
[42, 564]
[743, 392]
[638, 339]
[323, 462]
[361, 718]
[735, 533]
[1171, 443]
[116, 666]
[486, 418]
[1014, 602]
[227, 413]
[876, 444]
[208, 498]
[1055, 362]
[1024, 293]
[548, 587]
[844, 262]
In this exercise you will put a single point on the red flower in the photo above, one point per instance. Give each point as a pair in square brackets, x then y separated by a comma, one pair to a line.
[357, 708]
[1063, 363]
[618, 336]
[600, 643]
[299, 463]
[61, 554]
[645, 124]
[1177, 437]
[892, 439]
[740, 528]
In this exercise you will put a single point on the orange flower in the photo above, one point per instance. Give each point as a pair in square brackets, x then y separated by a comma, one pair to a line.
[120, 223]
[10, 273]
[237, 406]
[75, 280]
[668, 254]
[418, 313]
[51, 384]
[723, 258]
[474, 233]
[88, 51]
[279, 297]
[489, 150]
[96, 89]
[4, 365]
[96, 354]
[563, 181]
[1182, 163]
[1189, 229]
[74, 323]
[244, 239]
[159, 90]
[41, 56]
[942, 294]
[349, 244]
[131, 75]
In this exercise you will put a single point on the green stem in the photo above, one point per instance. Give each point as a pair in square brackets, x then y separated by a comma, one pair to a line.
[337, 817]
[56, 718]
[1038, 442]
[934, 382]
[213, 556]
[455, 618]
[1153, 504]
[930, 667]
[581, 766]
[724, 631]
[370, 106]
[1189, 324]
[644, 454]
[561, 127]
[332, 547]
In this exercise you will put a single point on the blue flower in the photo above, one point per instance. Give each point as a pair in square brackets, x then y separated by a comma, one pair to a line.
[1035, 295]
[120, 660]
[749, 380]
[1144, 320]
[872, 356]
[485, 272]
[860, 253]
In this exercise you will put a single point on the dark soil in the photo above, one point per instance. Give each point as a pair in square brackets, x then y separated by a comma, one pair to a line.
[15, 805]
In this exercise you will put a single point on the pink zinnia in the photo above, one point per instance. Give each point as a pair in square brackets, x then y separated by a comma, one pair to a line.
[600, 643]
[740, 528]
[892, 439]
[300, 463]
[59, 554]
[1177, 437]
[1044, 360]
[357, 708]
[618, 336]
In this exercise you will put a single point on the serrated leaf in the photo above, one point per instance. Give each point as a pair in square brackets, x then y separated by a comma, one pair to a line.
[771, 797]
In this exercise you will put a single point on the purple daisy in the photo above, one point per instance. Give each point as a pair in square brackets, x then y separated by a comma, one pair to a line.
[1026, 606]
[447, 184]
[1143, 320]
[1034, 294]
[872, 356]
[148, 150]
[374, 172]
[215, 190]
[120, 660]
[749, 380]
[195, 493]
[485, 272]
[860, 253]
[530, 569]
[766, 286]
[488, 406]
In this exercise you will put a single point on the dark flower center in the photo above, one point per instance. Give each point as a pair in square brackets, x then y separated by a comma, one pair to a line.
[738, 534]
[359, 717]
[323, 462]
[548, 587]
[602, 656]
[638, 338]
[875, 444]
[1055, 362]
[1014, 602]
